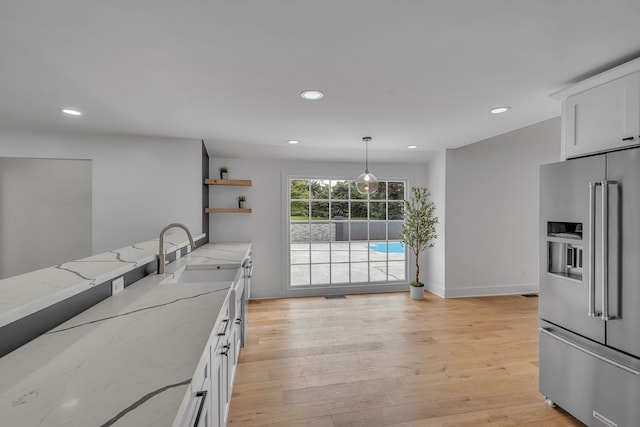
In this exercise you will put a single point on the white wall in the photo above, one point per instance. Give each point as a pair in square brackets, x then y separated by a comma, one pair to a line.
[265, 226]
[492, 211]
[139, 184]
[45, 213]
[435, 257]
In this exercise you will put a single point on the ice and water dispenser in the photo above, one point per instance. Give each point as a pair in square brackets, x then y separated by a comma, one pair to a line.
[565, 256]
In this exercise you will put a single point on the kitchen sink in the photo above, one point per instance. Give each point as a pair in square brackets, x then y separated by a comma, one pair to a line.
[202, 274]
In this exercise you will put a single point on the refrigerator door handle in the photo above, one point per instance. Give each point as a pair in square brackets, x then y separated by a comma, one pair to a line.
[592, 250]
[605, 249]
[550, 333]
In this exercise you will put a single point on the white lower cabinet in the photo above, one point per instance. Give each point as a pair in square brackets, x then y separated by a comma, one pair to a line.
[237, 340]
[223, 348]
[226, 357]
[219, 385]
[197, 405]
[203, 414]
[209, 397]
[236, 334]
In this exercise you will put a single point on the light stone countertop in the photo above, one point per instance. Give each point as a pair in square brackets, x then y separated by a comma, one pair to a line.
[126, 361]
[213, 255]
[28, 293]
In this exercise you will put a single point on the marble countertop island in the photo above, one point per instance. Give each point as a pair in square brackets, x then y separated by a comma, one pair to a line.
[126, 361]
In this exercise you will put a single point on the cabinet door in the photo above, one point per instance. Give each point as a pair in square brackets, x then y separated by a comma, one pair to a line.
[229, 367]
[234, 353]
[203, 415]
[238, 327]
[225, 379]
[218, 381]
[603, 118]
[199, 413]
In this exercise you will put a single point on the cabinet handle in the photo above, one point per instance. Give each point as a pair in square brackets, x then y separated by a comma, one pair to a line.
[238, 321]
[201, 394]
[224, 331]
[629, 138]
[592, 250]
[248, 271]
[605, 249]
[226, 348]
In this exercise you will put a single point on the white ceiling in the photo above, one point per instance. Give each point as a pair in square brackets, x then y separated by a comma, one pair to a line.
[230, 72]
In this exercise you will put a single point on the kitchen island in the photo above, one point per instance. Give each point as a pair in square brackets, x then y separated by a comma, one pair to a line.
[128, 360]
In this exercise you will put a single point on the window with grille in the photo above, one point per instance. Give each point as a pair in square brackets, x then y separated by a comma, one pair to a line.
[339, 237]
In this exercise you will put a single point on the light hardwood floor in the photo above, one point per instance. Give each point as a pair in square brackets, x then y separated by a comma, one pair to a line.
[383, 359]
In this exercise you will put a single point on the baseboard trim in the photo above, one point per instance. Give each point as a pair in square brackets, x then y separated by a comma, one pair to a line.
[435, 289]
[485, 291]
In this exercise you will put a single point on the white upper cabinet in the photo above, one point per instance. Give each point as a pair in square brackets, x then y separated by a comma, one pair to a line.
[601, 113]
[603, 118]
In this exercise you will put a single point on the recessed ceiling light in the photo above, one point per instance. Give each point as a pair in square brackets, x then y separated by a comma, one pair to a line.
[71, 112]
[500, 110]
[312, 95]
[411, 147]
[292, 141]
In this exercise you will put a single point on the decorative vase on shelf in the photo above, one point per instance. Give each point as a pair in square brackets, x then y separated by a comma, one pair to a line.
[241, 201]
[224, 173]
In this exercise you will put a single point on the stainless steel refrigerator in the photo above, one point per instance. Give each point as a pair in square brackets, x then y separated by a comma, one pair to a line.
[590, 287]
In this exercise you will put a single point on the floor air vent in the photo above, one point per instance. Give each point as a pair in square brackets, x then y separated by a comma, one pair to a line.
[335, 296]
[530, 295]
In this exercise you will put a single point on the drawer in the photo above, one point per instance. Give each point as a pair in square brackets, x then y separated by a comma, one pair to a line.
[599, 391]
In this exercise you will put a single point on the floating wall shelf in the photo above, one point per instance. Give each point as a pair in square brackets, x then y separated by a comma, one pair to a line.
[231, 182]
[228, 210]
[236, 182]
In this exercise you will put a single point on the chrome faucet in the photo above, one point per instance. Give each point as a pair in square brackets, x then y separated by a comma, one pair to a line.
[161, 248]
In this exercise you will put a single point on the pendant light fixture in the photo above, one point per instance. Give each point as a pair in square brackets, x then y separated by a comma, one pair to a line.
[367, 183]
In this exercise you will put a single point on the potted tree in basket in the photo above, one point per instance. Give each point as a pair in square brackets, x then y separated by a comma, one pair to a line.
[419, 230]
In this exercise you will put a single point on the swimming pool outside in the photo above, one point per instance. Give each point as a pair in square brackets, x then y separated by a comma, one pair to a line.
[391, 247]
